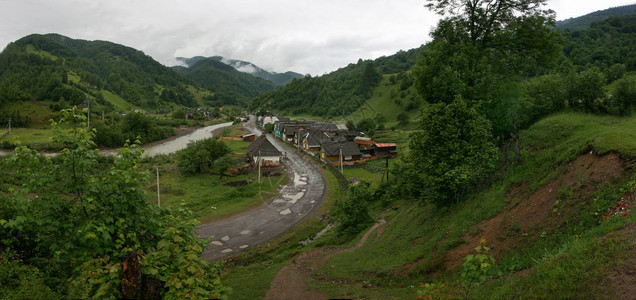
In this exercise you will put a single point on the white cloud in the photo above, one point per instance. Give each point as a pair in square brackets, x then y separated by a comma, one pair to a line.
[306, 36]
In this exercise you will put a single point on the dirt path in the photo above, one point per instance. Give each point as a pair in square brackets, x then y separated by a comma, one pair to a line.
[291, 281]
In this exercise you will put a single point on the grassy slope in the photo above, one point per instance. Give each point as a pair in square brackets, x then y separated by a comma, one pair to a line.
[419, 237]
[119, 103]
[384, 102]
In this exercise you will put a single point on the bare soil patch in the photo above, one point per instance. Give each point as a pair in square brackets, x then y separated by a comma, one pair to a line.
[528, 211]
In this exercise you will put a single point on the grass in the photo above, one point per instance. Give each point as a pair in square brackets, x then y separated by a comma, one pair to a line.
[579, 270]
[418, 236]
[385, 101]
[39, 113]
[209, 197]
[36, 138]
[199, 94]
[235, 130]
[363, 174]
[119, 103]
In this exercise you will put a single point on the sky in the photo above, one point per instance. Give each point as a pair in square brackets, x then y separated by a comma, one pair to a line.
[305, 36]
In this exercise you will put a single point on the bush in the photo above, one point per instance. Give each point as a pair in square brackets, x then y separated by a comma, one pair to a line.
[352, 215]
[201, 154]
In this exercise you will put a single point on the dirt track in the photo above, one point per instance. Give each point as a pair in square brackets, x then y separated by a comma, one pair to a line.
[290, 281]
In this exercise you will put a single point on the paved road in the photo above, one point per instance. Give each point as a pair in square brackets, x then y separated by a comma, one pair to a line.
[298, 199]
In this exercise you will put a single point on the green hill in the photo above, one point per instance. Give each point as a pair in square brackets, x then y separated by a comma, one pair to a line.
[337, 94]
[62, 72]
[585, 21]
[230, 86]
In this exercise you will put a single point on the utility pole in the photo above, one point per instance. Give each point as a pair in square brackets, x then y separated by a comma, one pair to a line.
[259, 166]
[341, 167]
[158, 192]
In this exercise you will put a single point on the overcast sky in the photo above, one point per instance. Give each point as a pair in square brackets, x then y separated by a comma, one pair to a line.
[305, 36]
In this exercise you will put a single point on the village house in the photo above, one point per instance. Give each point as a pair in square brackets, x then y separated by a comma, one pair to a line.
[366, 146]
[332, 152]
[312, 141]
[263, 151]
[279, 128]
[289, 132]
[384, 150]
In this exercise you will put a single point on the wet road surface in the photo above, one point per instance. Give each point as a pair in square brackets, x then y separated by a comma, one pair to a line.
[296, 200]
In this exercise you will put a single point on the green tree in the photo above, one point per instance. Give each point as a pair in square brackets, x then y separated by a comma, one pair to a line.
[352, 214]
[616, 72]
[223, 164]
[624, 95]
[548, 94]
[481, 42]
[589, 88]
[200, 154]
[367, 125]
[370, 77]
[451, 154]
[403, 118]
[81, 215]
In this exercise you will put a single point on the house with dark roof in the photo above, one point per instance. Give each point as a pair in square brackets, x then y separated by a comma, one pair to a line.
[331, 153]
[288, 132]
[312, 141]
[263, 151]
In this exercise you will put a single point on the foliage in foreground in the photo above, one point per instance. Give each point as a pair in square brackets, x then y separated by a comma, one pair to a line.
[74, 220]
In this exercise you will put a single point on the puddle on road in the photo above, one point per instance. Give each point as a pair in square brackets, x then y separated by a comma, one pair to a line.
[294, 198]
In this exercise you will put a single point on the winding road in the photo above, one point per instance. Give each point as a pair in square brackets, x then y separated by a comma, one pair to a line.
[295, 201]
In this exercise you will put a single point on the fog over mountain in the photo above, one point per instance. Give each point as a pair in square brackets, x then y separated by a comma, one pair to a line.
[246, 67]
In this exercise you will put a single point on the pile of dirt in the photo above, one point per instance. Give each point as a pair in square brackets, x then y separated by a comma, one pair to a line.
[527, 211]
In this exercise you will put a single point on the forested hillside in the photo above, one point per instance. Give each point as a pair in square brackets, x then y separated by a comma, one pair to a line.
[336, 94]
[63, 72]
[230, 86]
[605, 44]
[583, 22]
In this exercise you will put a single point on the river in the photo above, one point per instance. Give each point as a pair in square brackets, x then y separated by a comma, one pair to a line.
[182, 141]
[168, 147]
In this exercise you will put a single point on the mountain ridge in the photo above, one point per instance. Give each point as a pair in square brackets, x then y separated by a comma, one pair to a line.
[279, 79]
[584, 21]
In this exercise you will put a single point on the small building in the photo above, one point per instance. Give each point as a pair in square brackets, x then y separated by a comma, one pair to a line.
[331, 153]
[249, 137]
[289, 132]
[365, 144]
[311, 141]
[264, 151]
[383, 150]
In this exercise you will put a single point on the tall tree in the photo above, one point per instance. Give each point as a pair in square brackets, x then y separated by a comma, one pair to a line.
[484, 19]
[482, 42]
[452, 153]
